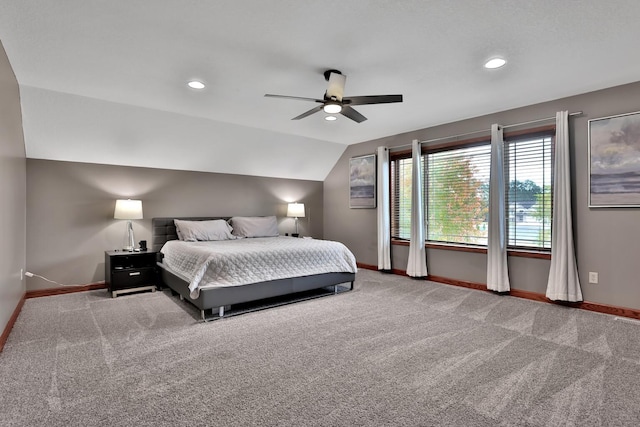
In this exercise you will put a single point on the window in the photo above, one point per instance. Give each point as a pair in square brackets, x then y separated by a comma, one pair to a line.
[529, 179]
[401, 170]
[458, 195]
[456, 189]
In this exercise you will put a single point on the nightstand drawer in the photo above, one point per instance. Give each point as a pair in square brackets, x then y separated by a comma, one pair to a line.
[132, 278]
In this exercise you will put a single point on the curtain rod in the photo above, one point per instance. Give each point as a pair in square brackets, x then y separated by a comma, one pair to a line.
[577, 113]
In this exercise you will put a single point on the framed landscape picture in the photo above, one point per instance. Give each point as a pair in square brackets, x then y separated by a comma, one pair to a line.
[614, 161]
[362, 181]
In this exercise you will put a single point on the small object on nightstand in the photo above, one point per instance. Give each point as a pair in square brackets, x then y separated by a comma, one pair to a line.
[126, 272]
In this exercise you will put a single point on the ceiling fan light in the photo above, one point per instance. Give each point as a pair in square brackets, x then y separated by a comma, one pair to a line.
[332, 108]
[330, 118]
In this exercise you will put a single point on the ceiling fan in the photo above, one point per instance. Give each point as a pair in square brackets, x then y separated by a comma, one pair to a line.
[333, 102]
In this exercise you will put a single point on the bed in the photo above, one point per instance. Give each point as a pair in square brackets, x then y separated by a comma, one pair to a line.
[212, 294]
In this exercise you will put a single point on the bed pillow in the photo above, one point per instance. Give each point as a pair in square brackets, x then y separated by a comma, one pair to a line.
[193, 231]
[254, 226]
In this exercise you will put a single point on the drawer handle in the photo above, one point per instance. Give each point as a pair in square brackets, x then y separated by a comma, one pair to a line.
[135, 273]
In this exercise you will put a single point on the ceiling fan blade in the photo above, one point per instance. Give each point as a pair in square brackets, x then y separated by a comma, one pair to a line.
[352, 114]
[336, 86]
[372, 99]
[308, 113]
[299, 98]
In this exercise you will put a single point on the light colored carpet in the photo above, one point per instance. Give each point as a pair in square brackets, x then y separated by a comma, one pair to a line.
[394, 352]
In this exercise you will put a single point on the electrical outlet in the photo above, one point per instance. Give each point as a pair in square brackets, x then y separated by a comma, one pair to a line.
[593, 277]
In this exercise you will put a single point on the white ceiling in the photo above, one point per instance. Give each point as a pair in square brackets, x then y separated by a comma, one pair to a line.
[104, 81]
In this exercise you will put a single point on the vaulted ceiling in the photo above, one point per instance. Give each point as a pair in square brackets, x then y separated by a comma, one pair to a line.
[105, 81]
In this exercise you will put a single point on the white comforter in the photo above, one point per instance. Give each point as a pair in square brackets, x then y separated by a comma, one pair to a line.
[243, 261]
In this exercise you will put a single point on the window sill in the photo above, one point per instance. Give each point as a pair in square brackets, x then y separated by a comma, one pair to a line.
[474, 249]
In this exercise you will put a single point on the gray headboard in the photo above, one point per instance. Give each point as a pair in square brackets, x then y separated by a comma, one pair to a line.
[163, 229]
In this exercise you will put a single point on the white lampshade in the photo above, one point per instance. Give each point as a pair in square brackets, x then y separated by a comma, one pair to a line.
[128, 209]
[296, 210]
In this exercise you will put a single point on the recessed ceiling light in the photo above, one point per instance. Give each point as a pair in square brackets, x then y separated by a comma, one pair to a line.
[194, 84]
[495, 63]
[331, 118]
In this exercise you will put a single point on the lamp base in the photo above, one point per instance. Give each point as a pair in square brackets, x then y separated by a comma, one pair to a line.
[129, 243]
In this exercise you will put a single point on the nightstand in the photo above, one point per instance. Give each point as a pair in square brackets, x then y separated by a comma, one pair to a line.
[126, 272]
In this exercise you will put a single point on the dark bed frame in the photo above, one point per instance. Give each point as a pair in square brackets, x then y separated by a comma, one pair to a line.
[219, 299]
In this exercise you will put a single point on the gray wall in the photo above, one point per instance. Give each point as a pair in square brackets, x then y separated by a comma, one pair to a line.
[70, 210]
[607, 239]
[12, 193]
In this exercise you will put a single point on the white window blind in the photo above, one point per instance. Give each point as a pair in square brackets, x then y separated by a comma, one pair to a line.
[529, 181]
[401, 198]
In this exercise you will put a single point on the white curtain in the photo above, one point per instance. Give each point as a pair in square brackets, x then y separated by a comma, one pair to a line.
[497, 271]
[384, 210]
[563, 283]
[417, 265]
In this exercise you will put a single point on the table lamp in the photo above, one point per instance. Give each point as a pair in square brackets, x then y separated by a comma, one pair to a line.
[296, 210]
[128, 209]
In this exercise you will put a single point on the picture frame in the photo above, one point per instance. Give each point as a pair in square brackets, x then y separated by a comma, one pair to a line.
[614, 161]
[362, 182]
